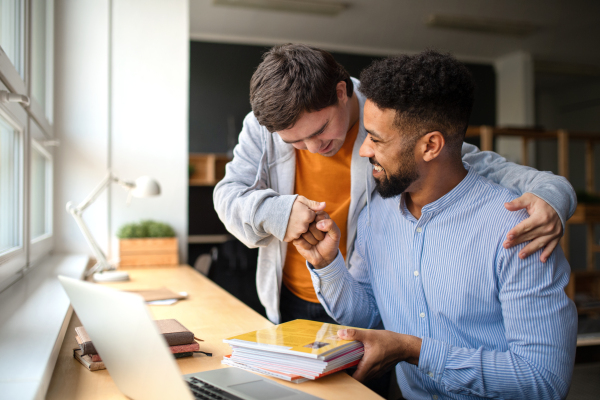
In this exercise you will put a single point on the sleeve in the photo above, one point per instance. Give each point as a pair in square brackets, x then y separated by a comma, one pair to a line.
[541, 332]
[554, 190]
[251, 210]
[347, 298]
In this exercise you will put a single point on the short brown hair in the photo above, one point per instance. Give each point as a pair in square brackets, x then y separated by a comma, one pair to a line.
[293, 79]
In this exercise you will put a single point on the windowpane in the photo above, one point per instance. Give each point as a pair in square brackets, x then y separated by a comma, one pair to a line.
[9, 187]
[40, 196]
[11, 32]
[41, 53]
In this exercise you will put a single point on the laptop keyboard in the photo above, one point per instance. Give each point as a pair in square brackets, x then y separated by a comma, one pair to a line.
[206, 391]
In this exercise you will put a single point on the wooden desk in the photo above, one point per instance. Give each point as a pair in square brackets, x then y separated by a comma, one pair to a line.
[211, 313]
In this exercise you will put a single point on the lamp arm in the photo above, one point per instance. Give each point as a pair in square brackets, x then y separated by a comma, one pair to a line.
[108, 179]
[100, 257]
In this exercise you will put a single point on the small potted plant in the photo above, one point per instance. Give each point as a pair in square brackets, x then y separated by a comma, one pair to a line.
[147, 243]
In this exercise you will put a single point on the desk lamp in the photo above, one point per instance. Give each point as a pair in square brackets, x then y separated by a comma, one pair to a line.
[143, 186]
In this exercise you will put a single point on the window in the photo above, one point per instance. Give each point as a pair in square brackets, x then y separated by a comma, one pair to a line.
[41, 57]
[11, 32]
[26, 163]
[10, 179]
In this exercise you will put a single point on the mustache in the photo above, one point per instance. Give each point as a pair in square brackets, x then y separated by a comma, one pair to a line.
[374, 162]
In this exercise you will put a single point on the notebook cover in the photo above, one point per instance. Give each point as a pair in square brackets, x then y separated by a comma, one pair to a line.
[175, 333]
[299, 337]
[162, 293]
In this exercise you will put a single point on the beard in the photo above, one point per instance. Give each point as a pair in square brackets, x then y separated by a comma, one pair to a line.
[391, 185]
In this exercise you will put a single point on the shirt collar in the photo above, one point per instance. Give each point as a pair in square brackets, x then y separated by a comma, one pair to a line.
[446, 200]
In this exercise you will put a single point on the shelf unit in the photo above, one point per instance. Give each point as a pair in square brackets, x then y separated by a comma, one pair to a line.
[587, 281]
[207, 169]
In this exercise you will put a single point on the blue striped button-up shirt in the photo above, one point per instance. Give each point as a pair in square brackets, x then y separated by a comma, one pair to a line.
[492, 325]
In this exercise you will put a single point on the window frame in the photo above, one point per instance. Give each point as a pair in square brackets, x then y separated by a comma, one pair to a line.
[15, 259]
[8, 72]
[34, 124]
[38, 112]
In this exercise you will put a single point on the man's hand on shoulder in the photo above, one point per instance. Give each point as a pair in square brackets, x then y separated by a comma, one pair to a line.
[323, 252]
[303, 214]
[543, 227]
[383, 350]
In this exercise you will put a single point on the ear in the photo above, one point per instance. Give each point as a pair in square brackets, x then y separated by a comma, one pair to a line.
[340, 90]
[433, 144]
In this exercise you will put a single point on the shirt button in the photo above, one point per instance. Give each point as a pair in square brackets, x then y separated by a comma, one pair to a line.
[416, 273]
[419, 230]
[422, 315]
[430, 374]
[435, 397]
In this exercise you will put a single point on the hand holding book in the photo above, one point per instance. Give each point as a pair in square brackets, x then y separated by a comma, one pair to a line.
[383, 350]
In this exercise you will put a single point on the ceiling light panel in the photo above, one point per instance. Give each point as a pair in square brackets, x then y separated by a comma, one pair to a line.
[484, 25]
[297, 6]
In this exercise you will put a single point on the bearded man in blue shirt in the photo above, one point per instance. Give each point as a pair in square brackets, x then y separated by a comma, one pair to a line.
[464, 316]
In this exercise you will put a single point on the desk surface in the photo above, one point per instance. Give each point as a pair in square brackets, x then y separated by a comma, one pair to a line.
[211, 313]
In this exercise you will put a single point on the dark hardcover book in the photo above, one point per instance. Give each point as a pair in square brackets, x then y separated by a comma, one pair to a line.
[175, 333]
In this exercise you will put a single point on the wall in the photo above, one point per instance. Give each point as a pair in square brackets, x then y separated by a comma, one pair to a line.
[130, 117]
[515, 102]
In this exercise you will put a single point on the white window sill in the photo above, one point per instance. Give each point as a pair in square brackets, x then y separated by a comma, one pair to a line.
[34, 315]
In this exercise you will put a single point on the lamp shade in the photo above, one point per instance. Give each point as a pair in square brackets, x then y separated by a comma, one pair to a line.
[145, 187]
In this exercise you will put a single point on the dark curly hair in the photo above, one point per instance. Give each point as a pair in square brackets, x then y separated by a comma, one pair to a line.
[293, 79]
[430, 92]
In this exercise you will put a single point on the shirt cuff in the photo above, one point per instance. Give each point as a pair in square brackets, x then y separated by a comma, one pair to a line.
[273, 215]
[557, 201]
[332, 272]
[432, 360]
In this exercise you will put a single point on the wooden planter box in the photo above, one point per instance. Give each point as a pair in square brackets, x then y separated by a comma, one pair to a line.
[148, 252]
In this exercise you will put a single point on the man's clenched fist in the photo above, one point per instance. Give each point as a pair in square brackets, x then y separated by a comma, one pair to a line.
[322, 253]
[303, 214]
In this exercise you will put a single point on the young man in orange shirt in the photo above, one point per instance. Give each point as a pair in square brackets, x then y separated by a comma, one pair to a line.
[298, 155]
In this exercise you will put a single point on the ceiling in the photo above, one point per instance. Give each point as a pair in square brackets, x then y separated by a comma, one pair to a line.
[569, 31]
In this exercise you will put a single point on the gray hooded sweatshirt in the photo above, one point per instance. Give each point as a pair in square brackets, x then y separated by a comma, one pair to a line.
[255, 198]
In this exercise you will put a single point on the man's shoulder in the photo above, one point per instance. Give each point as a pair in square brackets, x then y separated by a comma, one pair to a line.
[490, 197]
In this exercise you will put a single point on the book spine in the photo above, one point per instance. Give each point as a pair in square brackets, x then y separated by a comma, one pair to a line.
[185, 348]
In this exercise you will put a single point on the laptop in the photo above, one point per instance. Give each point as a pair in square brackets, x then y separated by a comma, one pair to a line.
[141, 364]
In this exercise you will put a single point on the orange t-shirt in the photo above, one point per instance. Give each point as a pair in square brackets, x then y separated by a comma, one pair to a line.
[320, 178]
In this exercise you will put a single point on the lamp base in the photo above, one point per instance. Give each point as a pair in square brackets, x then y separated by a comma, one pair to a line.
[111, 276]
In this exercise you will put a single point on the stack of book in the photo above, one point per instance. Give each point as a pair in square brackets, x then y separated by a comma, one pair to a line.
[181, 341]
[295, 351]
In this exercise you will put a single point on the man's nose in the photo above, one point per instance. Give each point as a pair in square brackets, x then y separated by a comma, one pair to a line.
[313, 145]
[365, 149]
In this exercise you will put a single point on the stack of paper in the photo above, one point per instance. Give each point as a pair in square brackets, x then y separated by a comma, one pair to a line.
[295, 351]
